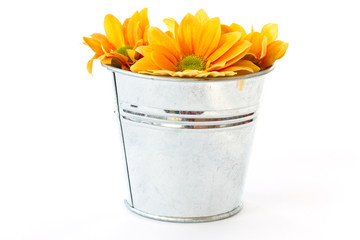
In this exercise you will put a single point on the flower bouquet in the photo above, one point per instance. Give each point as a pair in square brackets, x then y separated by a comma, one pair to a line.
[185, 125]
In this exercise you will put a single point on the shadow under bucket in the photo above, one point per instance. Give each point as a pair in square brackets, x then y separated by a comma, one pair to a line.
[186, 142]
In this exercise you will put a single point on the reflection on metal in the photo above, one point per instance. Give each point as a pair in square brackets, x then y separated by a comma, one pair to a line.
[182, 119]
[186, 219]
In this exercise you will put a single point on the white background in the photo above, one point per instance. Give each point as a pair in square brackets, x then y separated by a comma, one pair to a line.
[61, 173]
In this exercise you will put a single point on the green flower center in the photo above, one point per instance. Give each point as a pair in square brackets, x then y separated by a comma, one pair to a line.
[122, 50]
[191, 62]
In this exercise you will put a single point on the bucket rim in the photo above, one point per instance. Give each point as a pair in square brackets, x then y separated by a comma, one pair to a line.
[193, 79]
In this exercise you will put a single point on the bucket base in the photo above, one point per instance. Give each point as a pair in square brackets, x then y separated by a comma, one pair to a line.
[186, 219]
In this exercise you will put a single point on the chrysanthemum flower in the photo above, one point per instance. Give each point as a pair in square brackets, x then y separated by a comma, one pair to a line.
[117, 48]
[264, 50]
[194, 48]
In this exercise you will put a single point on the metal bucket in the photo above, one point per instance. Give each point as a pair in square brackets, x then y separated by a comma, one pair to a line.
[186, 143]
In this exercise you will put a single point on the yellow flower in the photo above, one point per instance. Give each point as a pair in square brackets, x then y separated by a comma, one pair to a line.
[194, 48]
[117, 48]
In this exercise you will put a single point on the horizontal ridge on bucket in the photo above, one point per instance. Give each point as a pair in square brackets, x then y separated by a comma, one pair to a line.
[187, 119]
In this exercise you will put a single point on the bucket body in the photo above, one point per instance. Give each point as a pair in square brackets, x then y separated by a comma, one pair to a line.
[186, 143]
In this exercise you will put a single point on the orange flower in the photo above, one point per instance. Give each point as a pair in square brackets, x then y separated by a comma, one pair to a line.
[194, 48]
[117, 48]
[275, 51]
[264, 50]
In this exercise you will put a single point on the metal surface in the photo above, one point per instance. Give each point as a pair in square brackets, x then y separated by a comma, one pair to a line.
[186, 143]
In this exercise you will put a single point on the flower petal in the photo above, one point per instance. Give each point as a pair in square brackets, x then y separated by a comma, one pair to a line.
[259, 43]
[226, 29]
[140, 50]
[131, 53]
[100, 37]
[138, 33]
[144, 64]
[119, 56]
[132, 31]
[238, 28]
[247, 63]
[125, 28]
[210, 36]
[89, 65]
[106, 46]
[227, 40]
[276, 50]
[216, 66]
[237, 58]
[202, 16]
[270, 30]
[94, 44]
[114, 30]
[146, 51]
[162, 72]
[158, 37]
[144, 22]
[216, 74]
[106, 60]
[117, 63]
[139, 43]
[238, 68]
[169, 34]
[162, 62]
[185, 34]
[244, 66]
[145, 35]
[238, 49]
[172, 25]
[186, 73]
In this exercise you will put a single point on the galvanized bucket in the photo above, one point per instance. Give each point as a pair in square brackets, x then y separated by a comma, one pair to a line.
[186, 142]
